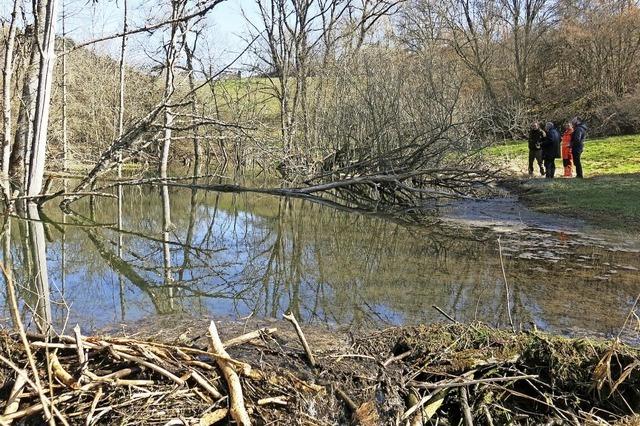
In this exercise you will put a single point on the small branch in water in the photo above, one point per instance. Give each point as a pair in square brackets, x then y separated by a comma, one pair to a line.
[506, 286]
[449, 317]
[41, 198]
[628, 317]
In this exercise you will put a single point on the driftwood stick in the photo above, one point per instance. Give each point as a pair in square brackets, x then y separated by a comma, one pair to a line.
[135, 382]
[449, 317]
[466, 411]
[94, 405]
[413, 400]
[17, 320]
[61, 374]
[205, 384]
[152, 366]
[277, 400]
[81, 355]
[396, 358]
[13, 403]
[347, 400]
[238, 410]
[292, 319]
[417, 406]
[249, 337]
[487, 414]
[35, 408]
[454, 384]
[96, 380]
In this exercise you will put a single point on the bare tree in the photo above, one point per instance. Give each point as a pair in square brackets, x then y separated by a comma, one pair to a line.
[20, 152]
[7, 72]
[45, 42]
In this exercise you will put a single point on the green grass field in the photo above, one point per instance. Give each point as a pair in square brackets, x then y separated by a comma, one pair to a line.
[609, 196]
[605, 156]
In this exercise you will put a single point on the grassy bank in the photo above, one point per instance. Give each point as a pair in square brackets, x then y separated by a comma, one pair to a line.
[438, 374]
[607, 197]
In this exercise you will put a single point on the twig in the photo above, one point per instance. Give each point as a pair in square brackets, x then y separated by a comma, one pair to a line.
[94, 405]
[249, 337]
[487, 414]
[347, 400]
[238, 410]
[277, 400]
[13, 402]
[464, 401]
[417, 406]
[292, 319]
[506, 286]
[396, 358]
[453, 320]
[61, 374]
[81, 356]
[205, 384]
[452, 384]
[626, 320]
[15, 314]
[150, 365]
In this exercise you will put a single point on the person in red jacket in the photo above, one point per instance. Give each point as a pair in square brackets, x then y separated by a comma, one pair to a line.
[567, 157]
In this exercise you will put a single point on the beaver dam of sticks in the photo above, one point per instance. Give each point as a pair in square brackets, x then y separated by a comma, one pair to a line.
[446, 374]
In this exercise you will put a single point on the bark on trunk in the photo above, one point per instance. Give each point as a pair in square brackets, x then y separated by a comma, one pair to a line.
[41, 118]
[24, 125]
[7, 74]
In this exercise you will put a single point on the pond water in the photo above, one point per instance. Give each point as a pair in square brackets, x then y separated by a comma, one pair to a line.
[237, 255]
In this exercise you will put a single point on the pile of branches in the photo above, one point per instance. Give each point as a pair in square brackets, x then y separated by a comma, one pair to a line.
[438, 374]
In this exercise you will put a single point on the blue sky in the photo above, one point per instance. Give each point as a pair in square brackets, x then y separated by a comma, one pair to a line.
[225, 34]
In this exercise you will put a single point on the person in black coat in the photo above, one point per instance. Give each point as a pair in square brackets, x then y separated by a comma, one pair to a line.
[551, 149]
[536, 137]
[577, 144]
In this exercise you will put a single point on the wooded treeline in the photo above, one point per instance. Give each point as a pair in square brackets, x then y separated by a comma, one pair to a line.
[334, 89]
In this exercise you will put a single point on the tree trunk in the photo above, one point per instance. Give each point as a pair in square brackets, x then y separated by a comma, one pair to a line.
[123, 48]
[194, 107]
[24, 125]
[7, 74]
[169, 88]
[43, 107]
[64, 95]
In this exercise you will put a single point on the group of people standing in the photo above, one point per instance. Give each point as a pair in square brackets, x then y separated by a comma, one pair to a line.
[546, 144]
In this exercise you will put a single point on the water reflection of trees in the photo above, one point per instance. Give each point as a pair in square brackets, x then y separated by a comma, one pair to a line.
[202, 252]
[32, 282]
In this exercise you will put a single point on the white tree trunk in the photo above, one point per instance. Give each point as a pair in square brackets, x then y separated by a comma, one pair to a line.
[64, 97]
[123, 48]
[169, 89]
[24, 125]
[43, 107]
[7, 74]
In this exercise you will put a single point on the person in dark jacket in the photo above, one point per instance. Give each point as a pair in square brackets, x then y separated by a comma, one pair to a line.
[536, 136]
[550, 149]
[577, 144]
